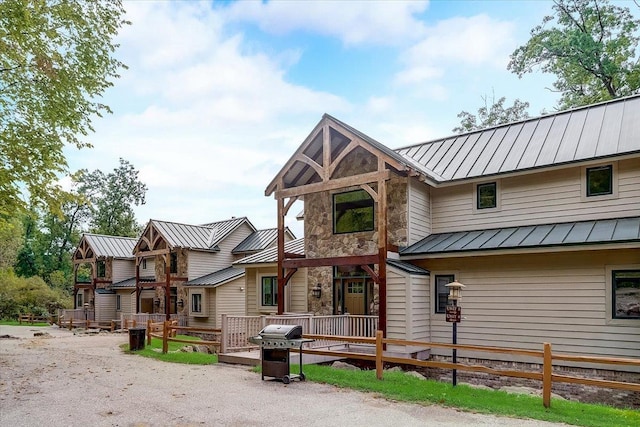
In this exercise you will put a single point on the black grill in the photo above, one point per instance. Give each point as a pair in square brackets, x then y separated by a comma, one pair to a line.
[275, 343]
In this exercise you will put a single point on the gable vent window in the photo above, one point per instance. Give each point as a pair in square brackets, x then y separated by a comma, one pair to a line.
[599, 181]
[487, 195]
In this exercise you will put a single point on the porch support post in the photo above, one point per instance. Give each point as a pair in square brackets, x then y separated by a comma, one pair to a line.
[382, 252]
[137, 285]
[281, 215]
[167, 292]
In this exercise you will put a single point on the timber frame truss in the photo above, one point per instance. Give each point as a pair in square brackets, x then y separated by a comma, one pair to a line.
[311, 170]
[84, 254]
[152, 244]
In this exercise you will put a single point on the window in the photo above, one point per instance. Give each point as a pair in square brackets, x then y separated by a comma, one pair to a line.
[79, 300]
[269, 291]
[144, 263]
[196, 303]
[599, 181]
[626, 294]
[173, 263]
[101, 268]
[118, 303]
[442, 292]
[352, 211]
[487, 196]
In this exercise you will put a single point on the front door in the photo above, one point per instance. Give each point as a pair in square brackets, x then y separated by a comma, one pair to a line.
[354, 302]
[146, 305]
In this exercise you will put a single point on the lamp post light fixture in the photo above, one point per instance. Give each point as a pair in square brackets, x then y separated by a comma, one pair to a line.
[453, 314]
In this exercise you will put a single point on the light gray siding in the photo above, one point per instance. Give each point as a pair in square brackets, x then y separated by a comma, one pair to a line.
[150, 269]
[522, 301]
[419, 211]
[105, 305]
[202, 263]
[123, 269]
[407, 306]
[549, 197]
[230, 300]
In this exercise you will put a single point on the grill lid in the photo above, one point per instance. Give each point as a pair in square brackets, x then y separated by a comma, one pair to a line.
[283, 332]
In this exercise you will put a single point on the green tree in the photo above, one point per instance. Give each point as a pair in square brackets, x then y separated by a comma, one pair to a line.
[28, 295]
[112, 197]
[11, 238]
[492, 115]
[56, 61]
[590, 45]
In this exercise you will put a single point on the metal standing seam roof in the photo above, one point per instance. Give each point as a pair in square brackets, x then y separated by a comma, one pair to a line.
[111, 246]
[620, 230]
[256, 241]
[601, 130]
[131, 282]
[217, 278]
[270, 255]
[407, 267]
[205, 237]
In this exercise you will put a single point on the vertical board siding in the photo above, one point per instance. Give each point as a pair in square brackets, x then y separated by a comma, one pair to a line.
[418, 211]
[522, 301]
[546, 197]
[123, 269]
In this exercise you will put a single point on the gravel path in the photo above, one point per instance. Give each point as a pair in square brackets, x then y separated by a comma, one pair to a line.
[81, 380]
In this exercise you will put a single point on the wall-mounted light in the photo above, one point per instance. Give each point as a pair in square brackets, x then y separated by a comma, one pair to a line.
[180, 303]
[241, 289]
[156, 302]
[317, 291]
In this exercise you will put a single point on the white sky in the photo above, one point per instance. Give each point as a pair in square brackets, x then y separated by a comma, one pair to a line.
[218, 96]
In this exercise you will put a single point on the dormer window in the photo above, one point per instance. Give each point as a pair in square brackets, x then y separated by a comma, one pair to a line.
[599, 181]
[487, 195]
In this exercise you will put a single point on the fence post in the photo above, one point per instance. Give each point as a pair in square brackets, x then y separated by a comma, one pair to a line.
[71, 323]
[165, 336]
[263, 322]
[379, 354]
[224, 334]
[346, 325]
[547, 366]
[149, 331]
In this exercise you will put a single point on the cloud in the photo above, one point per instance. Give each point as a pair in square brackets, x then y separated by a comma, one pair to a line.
[477, 41]
[353, 22]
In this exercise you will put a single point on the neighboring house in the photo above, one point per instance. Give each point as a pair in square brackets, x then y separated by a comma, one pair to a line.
[540, 219]
[192, 263]
[107, 260]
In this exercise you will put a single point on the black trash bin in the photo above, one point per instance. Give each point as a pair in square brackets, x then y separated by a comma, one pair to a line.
[136, 338]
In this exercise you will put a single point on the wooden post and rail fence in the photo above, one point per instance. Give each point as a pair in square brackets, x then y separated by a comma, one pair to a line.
[167, 331]
[546, 355]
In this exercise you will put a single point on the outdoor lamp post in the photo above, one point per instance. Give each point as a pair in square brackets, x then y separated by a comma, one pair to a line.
[453, 314]
[86, 314]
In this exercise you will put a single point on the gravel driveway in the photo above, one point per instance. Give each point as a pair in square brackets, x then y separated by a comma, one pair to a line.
[82, 380]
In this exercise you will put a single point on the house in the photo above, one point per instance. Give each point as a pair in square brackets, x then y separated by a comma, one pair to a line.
[100, 262]
[539, 219]
[193, 277]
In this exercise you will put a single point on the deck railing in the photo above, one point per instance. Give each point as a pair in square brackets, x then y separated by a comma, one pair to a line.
[236, 330]
[78, 314]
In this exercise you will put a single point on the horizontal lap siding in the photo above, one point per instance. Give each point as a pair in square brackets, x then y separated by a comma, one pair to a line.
[230, 300]
[202, 263]
[420, 328]
[151, 268]
[251, 291]
[419, 211]
[298, 292]
[522, 301]
[546, 197]
[210, 295]
[127, 301]
[398, 314]
[123, 269]
[105, 307]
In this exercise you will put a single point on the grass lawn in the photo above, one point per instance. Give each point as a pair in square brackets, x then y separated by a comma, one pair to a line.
[154, 351]
[16, 323]
[402, 387]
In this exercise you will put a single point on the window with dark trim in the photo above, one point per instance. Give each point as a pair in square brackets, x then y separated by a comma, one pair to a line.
[626, 294]
[173, 265]
[118, 302]
[352, 212]
[144, 263]
[269, 291]
[487, 195]
[196, 303]
[599, 181]
[101, 269]
[442, 292]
